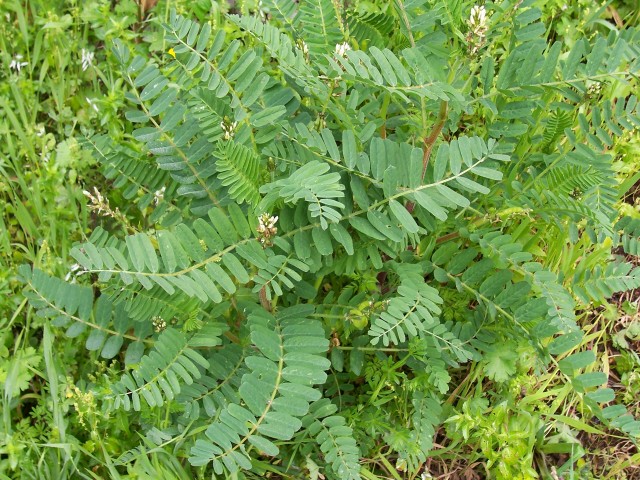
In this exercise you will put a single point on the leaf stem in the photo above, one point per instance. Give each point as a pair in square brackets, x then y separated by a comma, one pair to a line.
[433, 136]
[372, 349]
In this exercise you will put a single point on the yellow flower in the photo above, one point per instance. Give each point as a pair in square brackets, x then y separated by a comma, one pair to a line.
[172, 52]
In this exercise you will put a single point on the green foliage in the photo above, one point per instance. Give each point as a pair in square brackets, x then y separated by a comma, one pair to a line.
[72, 306]
[347, 219]
[275, 392]
[58, 87]
[335, 439]
[160, 374]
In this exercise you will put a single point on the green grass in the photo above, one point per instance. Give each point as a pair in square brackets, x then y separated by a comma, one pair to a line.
[44, 110]
[50, 429]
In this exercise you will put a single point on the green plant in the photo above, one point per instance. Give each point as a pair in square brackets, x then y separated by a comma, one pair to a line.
[315, 191]
[56, 86]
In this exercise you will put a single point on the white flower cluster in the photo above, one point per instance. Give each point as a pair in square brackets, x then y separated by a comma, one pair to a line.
[100, 205]
[477, 28]
[17, 63]
[342, 49]
[159, 324]
[87, 59]
[302, 45]
[594, 88]
[229, 129]
[266, 228]
[98, 202]
[75, 271]
[478, 18]
[158, 195]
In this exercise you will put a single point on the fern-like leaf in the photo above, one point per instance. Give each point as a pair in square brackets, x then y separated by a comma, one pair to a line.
[315, 186]
[557, 123]
[71, 306]
[600, 284]
[628, 235]
[320, 23]
[335, 439]
[187, 259]
[413, 311]
[239, 169]
[160, 373]
[276, 393]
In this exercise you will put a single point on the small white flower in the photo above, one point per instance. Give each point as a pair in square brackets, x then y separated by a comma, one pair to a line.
[75, 270]
[87, 59]
[96, 198]
[158, 195]
[159, 324]
[100, 205]
[16, 64]
[302, 45]
[477, 28]
[228, 129]
[92, 104]
[564, 7]
[266, 221]
[342, 49]
[594, 88]
[261, 11]
[266, 228]
[478, 16]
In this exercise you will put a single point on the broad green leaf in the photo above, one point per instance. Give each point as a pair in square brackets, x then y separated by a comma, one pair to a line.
[342, 236]
[403, 216]
[267, 116]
